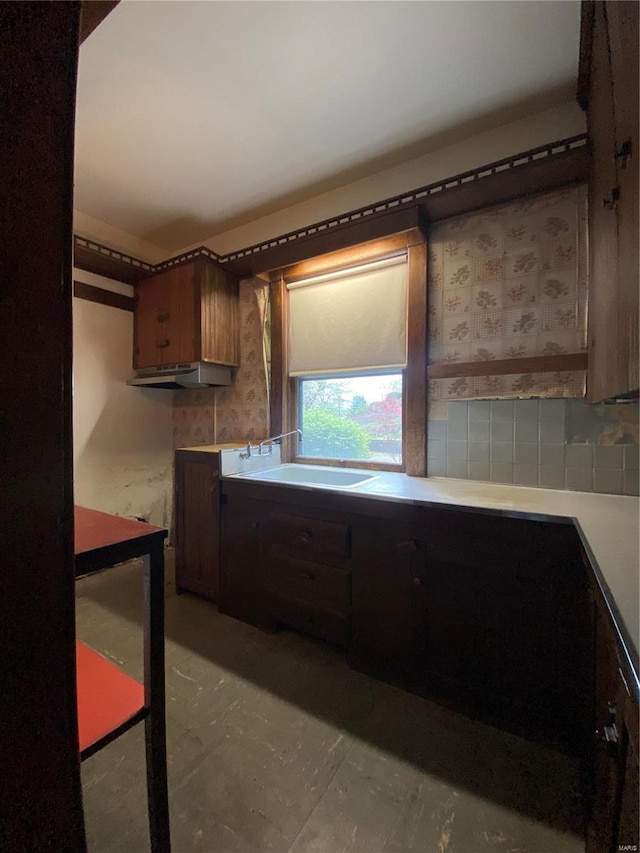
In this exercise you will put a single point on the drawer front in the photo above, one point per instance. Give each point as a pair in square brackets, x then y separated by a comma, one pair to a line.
[312, 583]
[324, 624]
[312, 537]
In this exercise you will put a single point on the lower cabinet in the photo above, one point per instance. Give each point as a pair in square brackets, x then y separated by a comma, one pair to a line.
[197, 522]
[244, 587]
[286, 567]
[613, 820]
[482, 615]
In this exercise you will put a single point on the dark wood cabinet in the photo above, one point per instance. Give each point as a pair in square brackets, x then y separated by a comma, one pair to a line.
[613, 819]
[197, 522]
[480, 615]
[186, 314]
[308, 564]
[244, 588]
[609, 74]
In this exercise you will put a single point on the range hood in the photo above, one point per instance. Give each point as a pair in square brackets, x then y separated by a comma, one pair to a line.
[195, 374]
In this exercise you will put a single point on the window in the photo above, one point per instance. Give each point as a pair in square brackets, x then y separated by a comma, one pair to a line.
[354, 418]
[347, 326]
[347, 352]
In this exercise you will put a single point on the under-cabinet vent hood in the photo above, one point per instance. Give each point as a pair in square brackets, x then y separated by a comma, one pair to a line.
[196, 374]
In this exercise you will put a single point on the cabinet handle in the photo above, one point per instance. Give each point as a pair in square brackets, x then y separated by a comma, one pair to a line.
[612, 203]
[608, 736]
[309, 575]
[160, 318]
[624, 153]
[305, 536]
[164, 343]
[418, 581]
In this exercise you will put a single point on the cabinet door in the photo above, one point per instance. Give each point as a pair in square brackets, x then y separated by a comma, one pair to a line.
[198, 522]
[244, 589]
[482, 622]
[613, 813]
[622, 21]
[180, 330]
[389, 610]
[220, 322]
[147, 323]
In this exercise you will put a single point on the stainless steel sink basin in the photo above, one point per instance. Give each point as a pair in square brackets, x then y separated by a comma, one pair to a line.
[310, 475]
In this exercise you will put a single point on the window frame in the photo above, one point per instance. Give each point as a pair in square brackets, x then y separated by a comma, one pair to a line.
[284, 389]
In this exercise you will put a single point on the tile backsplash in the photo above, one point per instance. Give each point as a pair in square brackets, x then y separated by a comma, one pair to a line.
[553, 444]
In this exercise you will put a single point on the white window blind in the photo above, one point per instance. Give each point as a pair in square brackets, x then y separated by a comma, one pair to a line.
[349, 321]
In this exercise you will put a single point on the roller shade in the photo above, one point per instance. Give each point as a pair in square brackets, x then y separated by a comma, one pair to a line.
[349, 321]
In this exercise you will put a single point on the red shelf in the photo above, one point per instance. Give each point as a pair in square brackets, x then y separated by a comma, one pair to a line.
[108, 698]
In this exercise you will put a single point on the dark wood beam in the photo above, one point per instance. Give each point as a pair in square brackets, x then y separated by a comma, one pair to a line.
[102, 296]
[507, 366]
[93, 257]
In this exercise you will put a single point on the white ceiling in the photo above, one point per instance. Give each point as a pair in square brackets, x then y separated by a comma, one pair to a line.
[194, 117]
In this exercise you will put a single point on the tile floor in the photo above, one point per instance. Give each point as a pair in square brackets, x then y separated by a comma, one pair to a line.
[275, 744]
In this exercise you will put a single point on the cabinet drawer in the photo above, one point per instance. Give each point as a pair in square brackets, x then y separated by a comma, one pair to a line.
[324, 624]
[312, 583]
[313, 537]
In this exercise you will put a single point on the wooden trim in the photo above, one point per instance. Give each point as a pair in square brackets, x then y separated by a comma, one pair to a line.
[587, 17]
[349, 463]
[505, 366]
[415, 409]
[102, 296]
[93, 257]
[568, 167]
[279, 378]
[202, 253]
[92, 14]
[375, 250]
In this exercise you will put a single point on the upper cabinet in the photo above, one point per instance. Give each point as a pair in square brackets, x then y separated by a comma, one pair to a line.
[186, 314]
[608, 89]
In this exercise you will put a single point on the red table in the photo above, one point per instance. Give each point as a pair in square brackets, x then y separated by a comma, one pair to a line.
[109, 701]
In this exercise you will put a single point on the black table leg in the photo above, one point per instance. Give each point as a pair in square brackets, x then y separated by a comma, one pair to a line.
[154, 689]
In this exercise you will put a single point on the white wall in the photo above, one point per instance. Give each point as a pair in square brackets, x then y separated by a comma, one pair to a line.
[123, 436]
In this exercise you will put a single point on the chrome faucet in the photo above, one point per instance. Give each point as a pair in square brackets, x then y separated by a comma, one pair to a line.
[265, 448]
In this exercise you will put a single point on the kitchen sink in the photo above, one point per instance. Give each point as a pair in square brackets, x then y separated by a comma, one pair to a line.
[310, 475]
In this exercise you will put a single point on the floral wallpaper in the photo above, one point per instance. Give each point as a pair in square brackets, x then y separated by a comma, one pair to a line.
[240, 411]
[506, 283]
